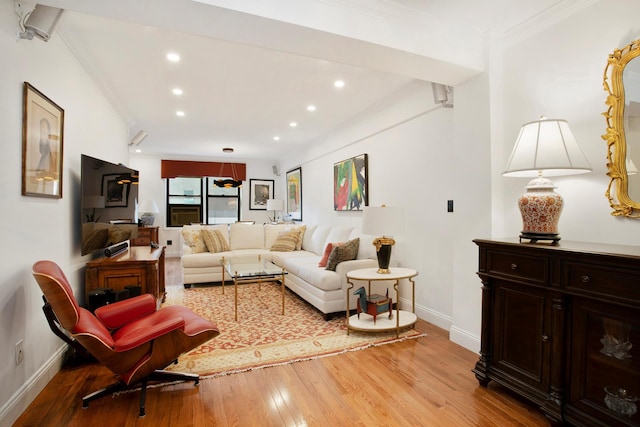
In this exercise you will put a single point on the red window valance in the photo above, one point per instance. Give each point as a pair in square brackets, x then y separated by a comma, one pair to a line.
[186, 168]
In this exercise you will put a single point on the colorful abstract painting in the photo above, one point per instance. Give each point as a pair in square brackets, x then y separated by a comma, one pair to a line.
[350, 185]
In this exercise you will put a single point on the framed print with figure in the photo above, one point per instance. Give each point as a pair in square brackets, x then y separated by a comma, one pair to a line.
[42, 143]
[294, 194]
[260, 190]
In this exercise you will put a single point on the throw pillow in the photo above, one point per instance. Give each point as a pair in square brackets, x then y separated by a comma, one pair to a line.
[327, 252]
[193, 239]
[117, 235]
[301, 230]
[95, 240]
[214, 241]
[345, 252]
[286, 241]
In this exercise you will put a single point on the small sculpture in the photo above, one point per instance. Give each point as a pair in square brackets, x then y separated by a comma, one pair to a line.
[373, 305]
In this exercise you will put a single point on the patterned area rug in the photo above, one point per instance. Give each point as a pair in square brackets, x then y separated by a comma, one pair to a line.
[262, 336]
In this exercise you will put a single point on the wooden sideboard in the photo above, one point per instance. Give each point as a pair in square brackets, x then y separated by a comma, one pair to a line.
[146, 235]
[561, 327]
[141, 266]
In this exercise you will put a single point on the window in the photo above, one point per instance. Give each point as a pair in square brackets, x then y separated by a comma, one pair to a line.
[223, 204]
[186, 204]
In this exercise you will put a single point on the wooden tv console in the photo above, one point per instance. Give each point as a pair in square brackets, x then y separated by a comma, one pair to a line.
[561, 327]
[141, 266]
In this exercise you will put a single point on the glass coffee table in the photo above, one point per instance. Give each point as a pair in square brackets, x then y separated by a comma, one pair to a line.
[251, 270]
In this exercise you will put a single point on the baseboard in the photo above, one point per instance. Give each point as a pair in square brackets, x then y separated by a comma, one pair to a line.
[459, 336]
[424, 313]
[465, 339]
[26, 394]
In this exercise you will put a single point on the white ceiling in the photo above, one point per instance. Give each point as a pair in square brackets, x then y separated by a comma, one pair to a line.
[246, 74]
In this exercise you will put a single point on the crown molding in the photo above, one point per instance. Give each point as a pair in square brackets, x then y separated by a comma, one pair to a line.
[543, 20]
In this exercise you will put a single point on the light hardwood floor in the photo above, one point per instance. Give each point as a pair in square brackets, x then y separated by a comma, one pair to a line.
[422, 382]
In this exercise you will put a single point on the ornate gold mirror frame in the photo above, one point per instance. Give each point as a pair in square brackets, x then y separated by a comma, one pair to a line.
[618, 190]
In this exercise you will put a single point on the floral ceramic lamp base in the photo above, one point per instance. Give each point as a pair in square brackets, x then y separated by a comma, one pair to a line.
[540, 208]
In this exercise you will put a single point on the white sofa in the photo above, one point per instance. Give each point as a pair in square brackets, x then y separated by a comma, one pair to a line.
[322, 288]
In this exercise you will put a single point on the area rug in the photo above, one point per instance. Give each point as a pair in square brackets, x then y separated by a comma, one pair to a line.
[262, 337]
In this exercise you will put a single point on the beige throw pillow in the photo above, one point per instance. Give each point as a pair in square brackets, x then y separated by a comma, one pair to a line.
[193, 239]
[286, 241]
[214, 241]
[345, 252]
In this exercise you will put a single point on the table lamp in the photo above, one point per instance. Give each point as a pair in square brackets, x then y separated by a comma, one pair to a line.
[275, 205]
[148, 208]
[544, 146]
[385, 221]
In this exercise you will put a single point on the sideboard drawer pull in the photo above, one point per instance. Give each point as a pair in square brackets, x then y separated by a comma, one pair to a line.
[514, 266]
[586, 279]
[545, 338]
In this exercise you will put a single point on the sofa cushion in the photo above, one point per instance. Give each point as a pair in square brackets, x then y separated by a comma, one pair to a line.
[319, 239]
[306, 238]
[246, 236]
[345, 252]
[286, 241]
[214, 240]
[337, 234]
[366, 249]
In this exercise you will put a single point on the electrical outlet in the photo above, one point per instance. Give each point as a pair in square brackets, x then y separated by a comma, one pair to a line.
[19, 352]
[169, 242]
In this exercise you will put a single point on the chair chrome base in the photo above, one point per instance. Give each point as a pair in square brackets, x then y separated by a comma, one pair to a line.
[156, 376]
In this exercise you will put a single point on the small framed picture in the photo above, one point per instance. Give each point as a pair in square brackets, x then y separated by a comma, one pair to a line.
[42, 143]
[294, 194]
[115, 195]
[260, 190]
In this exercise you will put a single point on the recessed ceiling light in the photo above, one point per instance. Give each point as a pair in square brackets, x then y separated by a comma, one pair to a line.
[338, 83]
[180, 113]
[227, 150]
[293, 124]
[177, 91]
[138, 150]
[311, 108]
[173, 57]
[276, 138]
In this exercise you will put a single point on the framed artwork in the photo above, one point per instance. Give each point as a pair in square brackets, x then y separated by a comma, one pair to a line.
[350, 184]
[42, 143]
[115, 195]
[294, 194]
[260, 190]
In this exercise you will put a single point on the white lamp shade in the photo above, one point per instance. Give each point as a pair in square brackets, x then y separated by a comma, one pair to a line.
[95, 202]
[546, 145]
[148, 206]
[275, 204]
[383, 220]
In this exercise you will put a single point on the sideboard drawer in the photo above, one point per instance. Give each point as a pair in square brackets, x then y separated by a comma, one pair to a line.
[531, 268]
[620, 283]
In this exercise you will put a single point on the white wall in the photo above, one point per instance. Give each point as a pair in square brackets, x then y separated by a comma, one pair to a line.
[409, 141]
[38, 228]
[559, 73]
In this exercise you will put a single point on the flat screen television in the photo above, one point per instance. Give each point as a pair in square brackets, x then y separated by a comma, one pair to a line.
[109, 201]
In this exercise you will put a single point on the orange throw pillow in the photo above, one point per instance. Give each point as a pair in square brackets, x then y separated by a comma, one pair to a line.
[327, 252]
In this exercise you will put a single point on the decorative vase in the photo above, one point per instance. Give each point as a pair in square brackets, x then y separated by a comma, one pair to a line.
[147, 219]
[540, 208]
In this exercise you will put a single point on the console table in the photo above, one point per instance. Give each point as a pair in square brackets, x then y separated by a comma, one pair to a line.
[561, 327]
[141, 266]
[402, 319]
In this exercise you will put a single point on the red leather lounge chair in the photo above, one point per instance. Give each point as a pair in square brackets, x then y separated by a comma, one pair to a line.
[132, 338]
